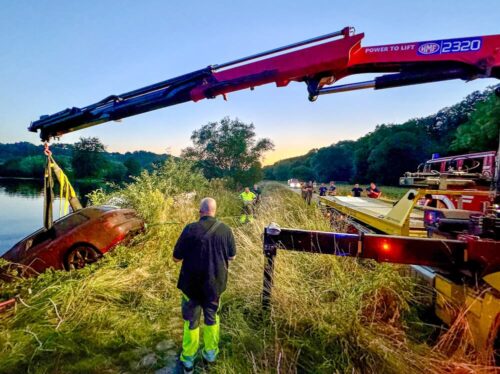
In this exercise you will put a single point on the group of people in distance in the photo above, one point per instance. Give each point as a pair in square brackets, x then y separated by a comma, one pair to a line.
[331, 190]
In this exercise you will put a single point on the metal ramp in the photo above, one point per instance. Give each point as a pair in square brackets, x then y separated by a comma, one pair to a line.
[396, 219]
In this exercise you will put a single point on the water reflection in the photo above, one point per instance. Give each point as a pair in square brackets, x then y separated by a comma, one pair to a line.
[28, 188]
[33, 188]
[21, 207]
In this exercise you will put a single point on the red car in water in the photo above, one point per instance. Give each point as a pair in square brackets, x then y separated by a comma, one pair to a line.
[75, 240]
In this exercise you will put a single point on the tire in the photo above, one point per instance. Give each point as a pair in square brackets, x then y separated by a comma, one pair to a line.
[81, 255]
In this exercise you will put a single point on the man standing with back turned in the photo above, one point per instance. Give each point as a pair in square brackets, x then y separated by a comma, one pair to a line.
[205, 249]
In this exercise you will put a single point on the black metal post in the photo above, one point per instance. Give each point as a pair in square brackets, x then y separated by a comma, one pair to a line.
[269, 255]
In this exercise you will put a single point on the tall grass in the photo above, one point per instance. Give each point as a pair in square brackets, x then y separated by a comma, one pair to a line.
[329, 315]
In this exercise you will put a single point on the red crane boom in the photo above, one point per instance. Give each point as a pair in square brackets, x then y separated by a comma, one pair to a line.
[319, 62]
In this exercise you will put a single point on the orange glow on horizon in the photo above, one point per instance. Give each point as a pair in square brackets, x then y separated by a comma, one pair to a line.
[268, 159]
[281, 154]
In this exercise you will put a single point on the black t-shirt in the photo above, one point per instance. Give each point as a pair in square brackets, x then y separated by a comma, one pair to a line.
[356, 191]
[322, 191]
[204, 258]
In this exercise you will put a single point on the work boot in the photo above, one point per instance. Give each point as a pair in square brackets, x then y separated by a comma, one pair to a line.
[209, 356]
[187, 367]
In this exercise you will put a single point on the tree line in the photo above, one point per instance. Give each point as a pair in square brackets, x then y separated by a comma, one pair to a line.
[227, 149]
[384, 154]
[86, 159]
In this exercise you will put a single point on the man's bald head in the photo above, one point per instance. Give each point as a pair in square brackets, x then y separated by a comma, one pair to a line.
[208, 207]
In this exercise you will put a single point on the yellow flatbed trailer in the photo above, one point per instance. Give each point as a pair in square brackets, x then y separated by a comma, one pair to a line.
[403, 218]
[399, 219]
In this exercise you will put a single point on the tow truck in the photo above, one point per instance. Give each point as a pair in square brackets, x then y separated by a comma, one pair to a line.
[469, 265]
[456, 186]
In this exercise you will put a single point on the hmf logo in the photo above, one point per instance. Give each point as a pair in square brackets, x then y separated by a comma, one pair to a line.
[429, 48]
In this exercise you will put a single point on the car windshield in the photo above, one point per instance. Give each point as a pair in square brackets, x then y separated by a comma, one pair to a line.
[69, 222]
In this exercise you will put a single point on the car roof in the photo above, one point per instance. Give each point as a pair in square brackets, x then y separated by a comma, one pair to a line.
[96, 210]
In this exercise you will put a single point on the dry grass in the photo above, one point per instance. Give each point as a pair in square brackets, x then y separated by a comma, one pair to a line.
[329, 315]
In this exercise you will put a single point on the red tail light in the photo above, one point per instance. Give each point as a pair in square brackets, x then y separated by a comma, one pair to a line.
[386, 247]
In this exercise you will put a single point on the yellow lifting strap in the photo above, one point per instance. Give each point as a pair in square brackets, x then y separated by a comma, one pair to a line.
[67, 193]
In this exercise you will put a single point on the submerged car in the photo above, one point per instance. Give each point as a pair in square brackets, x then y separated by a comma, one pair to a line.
[75, 240]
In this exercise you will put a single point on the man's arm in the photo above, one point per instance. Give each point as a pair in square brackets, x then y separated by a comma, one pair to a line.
[231, 253]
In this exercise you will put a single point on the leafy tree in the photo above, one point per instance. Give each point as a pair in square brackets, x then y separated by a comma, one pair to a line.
[115, 171]
[145, 159]
[26, 167]
[228, 149]
[396, 154]
[32, 166]
[246, 178]
[360, 162]
[303, 172]
[480, 132]
[88, 159]
[133, 166]
[282, 171]
[65, 163]
[269, 173]
[334, 162]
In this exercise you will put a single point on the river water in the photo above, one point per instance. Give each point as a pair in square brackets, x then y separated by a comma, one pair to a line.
[21, 209]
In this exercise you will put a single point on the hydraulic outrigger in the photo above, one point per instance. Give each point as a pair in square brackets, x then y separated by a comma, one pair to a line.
[319, 63]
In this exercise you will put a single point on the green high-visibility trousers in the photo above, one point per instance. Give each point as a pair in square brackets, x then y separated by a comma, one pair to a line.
[191, 313]
[190, 343]
[211, 336]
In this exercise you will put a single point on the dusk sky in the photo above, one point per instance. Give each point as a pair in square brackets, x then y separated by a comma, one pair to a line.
[59, 54]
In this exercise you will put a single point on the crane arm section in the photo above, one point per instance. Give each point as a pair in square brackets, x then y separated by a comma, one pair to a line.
[319, 62]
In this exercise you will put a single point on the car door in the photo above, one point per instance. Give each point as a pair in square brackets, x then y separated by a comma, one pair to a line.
[33, 248]
[50, 246]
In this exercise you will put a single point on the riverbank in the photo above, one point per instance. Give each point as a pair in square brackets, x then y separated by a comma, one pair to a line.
[21, 178]
[76, 180]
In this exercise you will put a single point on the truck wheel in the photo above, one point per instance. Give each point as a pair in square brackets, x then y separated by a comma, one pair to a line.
[81, 255]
